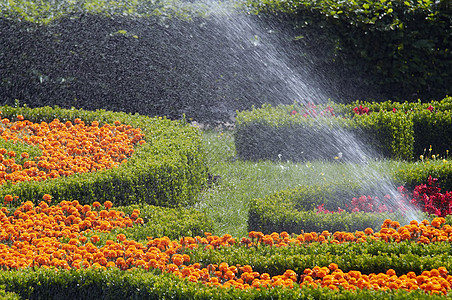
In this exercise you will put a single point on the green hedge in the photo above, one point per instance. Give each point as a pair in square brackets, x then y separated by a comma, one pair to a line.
[397, 130]
[273, 132]
[168, 170]
[430, 127]
[389, 134]
[7, 295]
[164, 221]
[415, 174]
[366, 257]
[138, 284]
[295, 210]
[404, 46]
[70, 53]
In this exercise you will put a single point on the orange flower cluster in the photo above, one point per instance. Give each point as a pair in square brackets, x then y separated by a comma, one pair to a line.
[436, 281]
[57, 235]
[390, 231]
[67, 148]
[63, 236]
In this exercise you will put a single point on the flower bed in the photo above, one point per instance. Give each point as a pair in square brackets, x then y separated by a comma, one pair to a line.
[66, 148]
[67, 236]
[84, 249]
[167, 170]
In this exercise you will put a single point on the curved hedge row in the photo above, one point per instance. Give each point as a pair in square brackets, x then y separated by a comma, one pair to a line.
[168, 170]
[366, 257]
[431, 121]
[419, 172]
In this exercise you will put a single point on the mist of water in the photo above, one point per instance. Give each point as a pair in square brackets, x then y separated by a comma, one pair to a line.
[261, 46]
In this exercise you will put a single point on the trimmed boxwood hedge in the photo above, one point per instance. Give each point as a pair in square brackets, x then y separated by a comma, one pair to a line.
[404, 46]
[7, 295]
[391, 129]
[294, 210]
[164, 221]
[139, 284]
[275, 132]
[431, 121]
[415, 174]
[168, 170]
[367, 257]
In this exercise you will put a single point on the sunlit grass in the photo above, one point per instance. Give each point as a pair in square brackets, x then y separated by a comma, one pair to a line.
[226, 201]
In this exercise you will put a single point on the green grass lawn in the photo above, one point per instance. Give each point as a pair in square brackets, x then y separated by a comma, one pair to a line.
[226, 202]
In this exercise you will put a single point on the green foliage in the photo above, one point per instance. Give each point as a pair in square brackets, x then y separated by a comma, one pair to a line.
[431, 122]
[139, 284]
[168, 170]
[391, 129]
[272, 132]
[389, 134]
[162, 221]
[405, 45]
[415, 174]
[294, 210]
[20, 147]
[366, 257]
[434, 130]
[44, 12]
[7, 295]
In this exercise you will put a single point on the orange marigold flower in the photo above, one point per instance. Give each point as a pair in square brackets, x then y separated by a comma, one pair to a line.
[47, 197]
[333, 266]
[8, 198]
[121, 237]
[95, 239]
[390, 272]
[369, 231]
[108, 204]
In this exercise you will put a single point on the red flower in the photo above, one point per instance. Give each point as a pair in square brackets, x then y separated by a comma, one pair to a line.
[361, 110]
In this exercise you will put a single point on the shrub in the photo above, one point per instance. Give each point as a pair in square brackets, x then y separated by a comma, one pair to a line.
[296, 209]
[168, 170]
[431, 121]
[114, 284]
[418, 173]
[403, 46]
[171, 222]
[276, 132]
